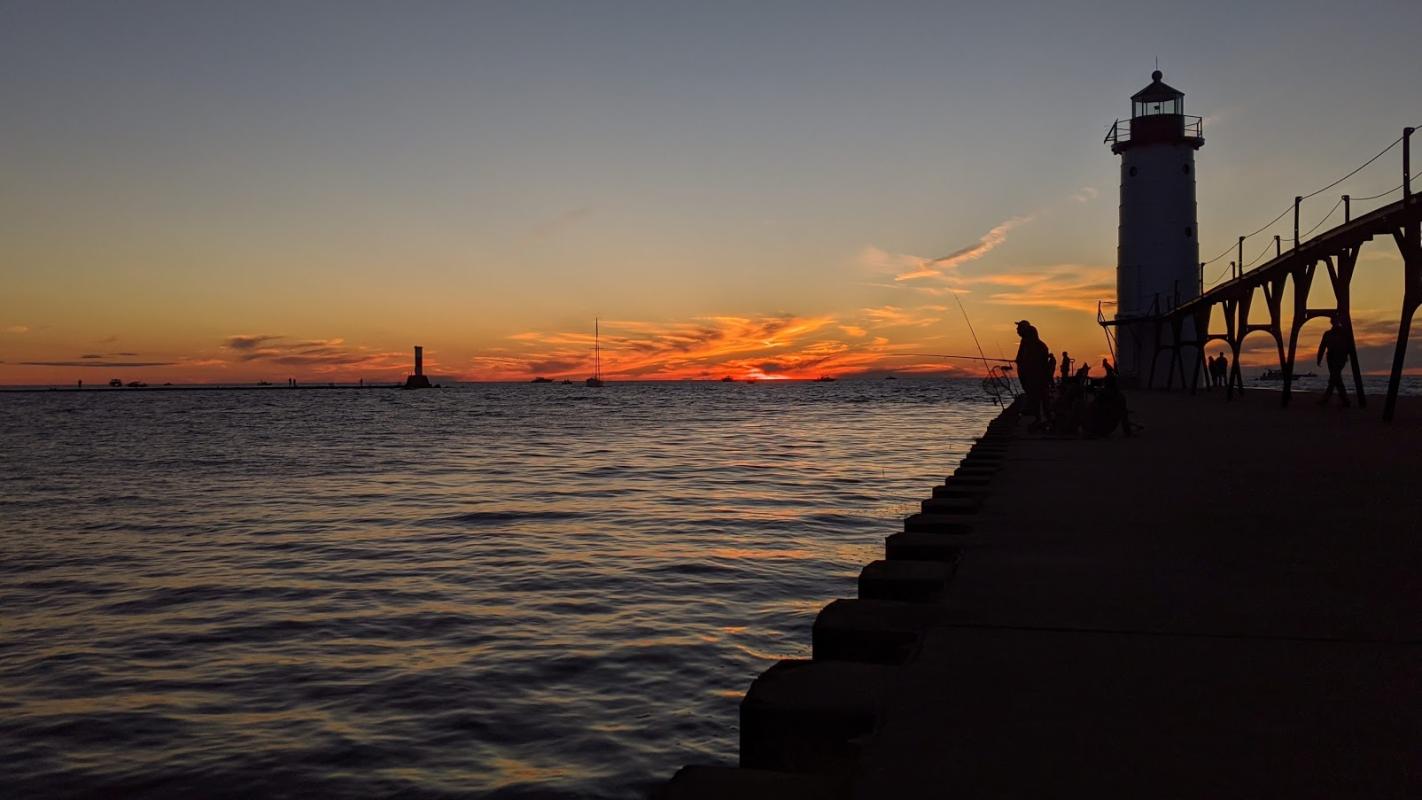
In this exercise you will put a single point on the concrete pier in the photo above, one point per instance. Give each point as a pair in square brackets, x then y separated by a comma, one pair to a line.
[1227, 605]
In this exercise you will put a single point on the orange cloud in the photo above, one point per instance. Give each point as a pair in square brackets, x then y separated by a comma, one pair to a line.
[1070, 287]
[895, 317]
[768, 347]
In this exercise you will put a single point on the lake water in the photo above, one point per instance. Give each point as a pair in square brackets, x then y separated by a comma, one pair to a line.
[485, 591]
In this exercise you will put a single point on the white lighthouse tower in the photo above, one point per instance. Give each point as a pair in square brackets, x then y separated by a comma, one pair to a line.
[1158, 251]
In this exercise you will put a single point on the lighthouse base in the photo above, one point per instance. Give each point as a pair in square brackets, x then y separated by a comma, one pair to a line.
[1149, 356]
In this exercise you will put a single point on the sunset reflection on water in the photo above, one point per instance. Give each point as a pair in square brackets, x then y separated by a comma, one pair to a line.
[495, 587]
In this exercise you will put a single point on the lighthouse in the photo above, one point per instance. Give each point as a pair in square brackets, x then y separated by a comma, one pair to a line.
[1158, 251]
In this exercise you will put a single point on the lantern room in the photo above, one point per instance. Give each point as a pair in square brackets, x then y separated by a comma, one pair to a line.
[1157, 116]
[1157, 98]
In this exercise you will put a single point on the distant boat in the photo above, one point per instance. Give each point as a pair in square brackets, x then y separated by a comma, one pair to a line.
[116, 383]
[728, 379]
[136, 384]
[567, 382]
[264, 383]
[890, 377]
[825, 379]
[541, 379]
[595, 381]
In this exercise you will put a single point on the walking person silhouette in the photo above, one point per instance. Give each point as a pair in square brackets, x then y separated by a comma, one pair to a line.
[1335, 346]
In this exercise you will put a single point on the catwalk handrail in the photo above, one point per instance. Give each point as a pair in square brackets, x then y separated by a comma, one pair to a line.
[1358, 227]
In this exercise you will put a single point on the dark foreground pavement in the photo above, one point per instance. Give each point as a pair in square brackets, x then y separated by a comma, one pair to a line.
[1228, 604]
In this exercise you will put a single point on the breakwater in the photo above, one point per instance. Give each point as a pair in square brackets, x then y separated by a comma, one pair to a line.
[1225, 605]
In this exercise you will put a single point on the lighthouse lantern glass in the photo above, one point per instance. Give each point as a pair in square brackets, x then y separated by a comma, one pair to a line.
[1150, 108]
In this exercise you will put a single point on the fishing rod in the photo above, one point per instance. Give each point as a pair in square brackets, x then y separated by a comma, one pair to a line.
[990, 381]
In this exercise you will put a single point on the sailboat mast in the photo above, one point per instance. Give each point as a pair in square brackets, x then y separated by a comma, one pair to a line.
[597, 349]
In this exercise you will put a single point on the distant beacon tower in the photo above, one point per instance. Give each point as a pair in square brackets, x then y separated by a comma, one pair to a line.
[1158, 251]
[418, 380]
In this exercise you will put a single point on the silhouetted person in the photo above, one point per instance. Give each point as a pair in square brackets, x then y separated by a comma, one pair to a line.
[1051, 366]
[1222, 370]
[1069, 408]
[1334, 345]
[1107, 411]
[1107, 368]
[1066, 365]
[1032, 369]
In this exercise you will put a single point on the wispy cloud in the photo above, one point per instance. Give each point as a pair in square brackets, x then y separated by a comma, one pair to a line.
[320, 355]
[18, 330]
[896, 317]
[1085, 194]
[248, 341]
[98, 363]
[1071, 287]
[908, 267]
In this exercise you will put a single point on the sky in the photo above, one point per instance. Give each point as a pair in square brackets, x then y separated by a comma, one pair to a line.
[218, 192]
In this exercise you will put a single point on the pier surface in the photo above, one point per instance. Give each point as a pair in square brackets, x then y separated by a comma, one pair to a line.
[1226, 605]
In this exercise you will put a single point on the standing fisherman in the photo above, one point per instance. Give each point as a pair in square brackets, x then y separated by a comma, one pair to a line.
[1032, 369]
[1334, 344]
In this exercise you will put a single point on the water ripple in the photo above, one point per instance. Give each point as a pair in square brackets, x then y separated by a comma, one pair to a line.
[501, 591]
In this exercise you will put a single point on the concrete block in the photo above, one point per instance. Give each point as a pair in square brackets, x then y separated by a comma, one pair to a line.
[907, 581]
[962, 488]
[941, 524]
[809, 716]
[974, 471]
[968, 481]
[905, 546]
[952, 505]
[698, 782]
[871, 631]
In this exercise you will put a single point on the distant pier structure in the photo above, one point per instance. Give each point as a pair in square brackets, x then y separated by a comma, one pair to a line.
[1158, 253]
[418, 380]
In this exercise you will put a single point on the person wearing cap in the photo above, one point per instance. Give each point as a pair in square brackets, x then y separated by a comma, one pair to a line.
[1032, 369]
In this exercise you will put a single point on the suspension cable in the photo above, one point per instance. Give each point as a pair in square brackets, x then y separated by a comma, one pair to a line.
[1314, 193]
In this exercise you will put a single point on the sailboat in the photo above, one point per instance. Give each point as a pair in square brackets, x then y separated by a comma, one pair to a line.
[596, 380]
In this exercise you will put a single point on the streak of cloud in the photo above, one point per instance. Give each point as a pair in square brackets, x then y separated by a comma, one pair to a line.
[105, 364]
[1070, 287]
[245, 341]
[914, 267]
[318, 355]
